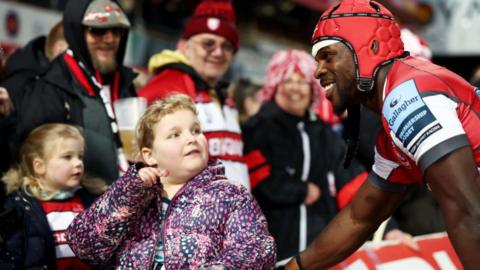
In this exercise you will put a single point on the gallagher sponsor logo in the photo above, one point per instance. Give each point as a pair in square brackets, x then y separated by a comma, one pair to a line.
[395, 101]
[402, 107]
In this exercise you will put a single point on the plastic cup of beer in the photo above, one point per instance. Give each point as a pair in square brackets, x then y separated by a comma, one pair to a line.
[128, 111]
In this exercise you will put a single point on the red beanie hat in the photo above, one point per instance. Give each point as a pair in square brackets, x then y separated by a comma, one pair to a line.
[216, 17]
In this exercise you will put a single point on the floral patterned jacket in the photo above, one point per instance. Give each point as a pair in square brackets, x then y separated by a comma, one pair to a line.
[210, 224]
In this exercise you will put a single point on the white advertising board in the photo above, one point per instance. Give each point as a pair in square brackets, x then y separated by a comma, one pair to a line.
[21, 23]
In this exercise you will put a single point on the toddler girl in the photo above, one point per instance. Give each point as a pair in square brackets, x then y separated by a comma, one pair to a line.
[45, 194]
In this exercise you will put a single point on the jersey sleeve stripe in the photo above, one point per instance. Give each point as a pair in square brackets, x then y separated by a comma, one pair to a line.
[441, 149]
[385, 185]
[431, 93]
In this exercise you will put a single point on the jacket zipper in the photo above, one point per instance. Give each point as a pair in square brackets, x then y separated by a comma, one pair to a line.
[302, 243]
[165, 223]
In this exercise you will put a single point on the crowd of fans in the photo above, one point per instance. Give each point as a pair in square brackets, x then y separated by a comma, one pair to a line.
[228, 174]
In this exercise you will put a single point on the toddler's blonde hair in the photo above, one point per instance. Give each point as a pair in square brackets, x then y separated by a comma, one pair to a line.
[38, 144]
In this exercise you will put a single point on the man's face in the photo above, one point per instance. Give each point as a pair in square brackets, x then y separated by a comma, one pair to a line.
[210, 55]
[102, 46]
[336, 71]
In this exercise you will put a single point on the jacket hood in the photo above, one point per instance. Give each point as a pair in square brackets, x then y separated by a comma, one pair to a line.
[74, 33]
[29, 58]
[165, 57]
[168, 59]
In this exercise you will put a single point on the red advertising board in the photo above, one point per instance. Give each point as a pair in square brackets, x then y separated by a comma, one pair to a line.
[436, 252]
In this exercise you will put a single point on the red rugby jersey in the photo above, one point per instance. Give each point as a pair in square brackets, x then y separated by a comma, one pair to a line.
[428, 112]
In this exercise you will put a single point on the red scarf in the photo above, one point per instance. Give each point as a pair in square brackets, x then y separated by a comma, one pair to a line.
[80, 73]
[80, 76]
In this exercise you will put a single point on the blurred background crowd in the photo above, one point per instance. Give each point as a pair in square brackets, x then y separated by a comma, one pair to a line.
[448, 26]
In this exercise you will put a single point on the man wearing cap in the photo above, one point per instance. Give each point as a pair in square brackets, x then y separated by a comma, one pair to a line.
[430, 119]
[82, 83]
[205, 52]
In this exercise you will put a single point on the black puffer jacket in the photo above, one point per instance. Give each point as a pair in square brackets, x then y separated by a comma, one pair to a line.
[31, 245]
[276, 137]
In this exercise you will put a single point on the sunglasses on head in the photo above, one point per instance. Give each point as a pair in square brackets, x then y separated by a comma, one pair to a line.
[116, 31]
[210, 45]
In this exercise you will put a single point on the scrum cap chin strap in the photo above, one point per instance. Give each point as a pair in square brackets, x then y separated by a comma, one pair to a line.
[352, 131]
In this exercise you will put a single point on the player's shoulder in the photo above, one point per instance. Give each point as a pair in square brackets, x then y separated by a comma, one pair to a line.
[402, 99]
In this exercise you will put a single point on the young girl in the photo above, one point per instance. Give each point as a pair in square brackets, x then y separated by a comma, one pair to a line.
[178, 211]
[45, 193]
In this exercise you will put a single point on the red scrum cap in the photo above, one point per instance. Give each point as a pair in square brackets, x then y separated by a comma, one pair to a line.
[369, 31]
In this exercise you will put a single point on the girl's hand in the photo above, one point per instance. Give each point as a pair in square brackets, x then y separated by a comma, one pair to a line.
[151, 175]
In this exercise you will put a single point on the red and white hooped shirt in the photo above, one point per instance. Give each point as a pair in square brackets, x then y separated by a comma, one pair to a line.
[59, 215]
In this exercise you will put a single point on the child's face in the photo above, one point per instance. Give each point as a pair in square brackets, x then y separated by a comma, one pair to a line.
[179, 146]
[64, 166]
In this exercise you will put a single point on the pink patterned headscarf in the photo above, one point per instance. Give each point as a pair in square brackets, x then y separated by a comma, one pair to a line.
[282, 65]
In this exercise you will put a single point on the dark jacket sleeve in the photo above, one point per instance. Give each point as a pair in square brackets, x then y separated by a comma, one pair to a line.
[12, 253]
[265, 154]
[30, 243]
